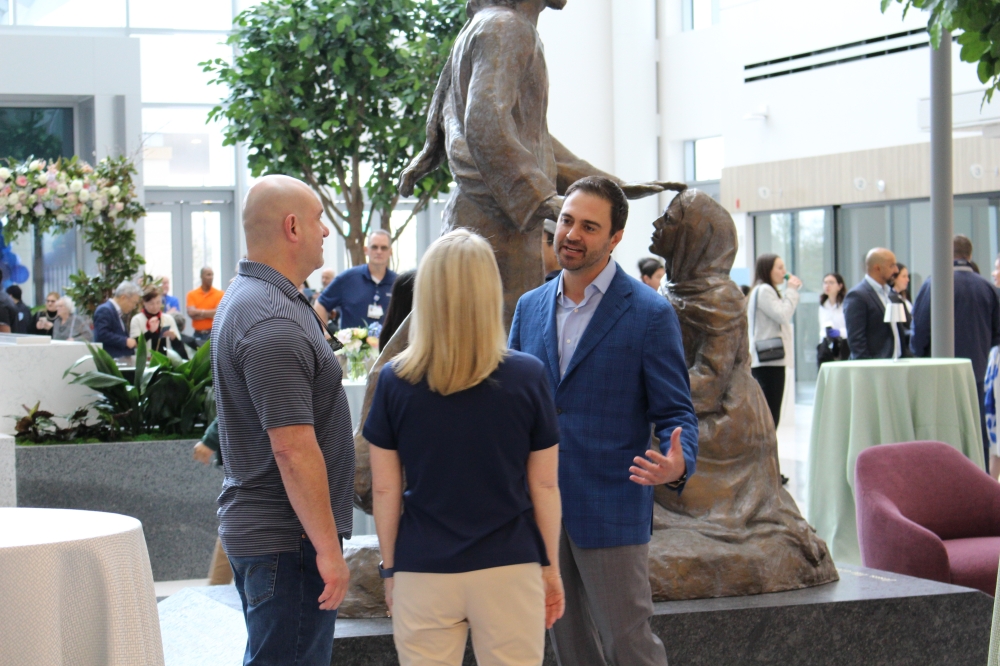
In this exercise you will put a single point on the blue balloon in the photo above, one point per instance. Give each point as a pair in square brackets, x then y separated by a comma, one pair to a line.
[19, 274]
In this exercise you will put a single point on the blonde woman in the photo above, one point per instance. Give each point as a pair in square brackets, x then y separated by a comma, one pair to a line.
[474, 427]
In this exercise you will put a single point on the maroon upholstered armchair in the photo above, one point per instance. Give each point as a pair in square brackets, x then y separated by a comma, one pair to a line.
[926, 510]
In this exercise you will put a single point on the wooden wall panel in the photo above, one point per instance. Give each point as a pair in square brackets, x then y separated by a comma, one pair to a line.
[853, 178]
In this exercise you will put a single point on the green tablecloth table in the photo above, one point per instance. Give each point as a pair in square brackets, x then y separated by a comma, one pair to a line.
[860, 404]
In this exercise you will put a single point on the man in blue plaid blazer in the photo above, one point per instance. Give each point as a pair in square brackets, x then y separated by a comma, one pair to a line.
[616, 361]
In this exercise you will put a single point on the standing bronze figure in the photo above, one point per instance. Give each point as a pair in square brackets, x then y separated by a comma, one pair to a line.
[488, 119]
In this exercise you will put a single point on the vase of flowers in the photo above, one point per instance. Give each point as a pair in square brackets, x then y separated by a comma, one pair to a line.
[360, 349]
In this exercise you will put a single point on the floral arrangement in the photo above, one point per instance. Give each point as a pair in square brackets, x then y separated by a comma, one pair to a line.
[56, 195]
[359, 346]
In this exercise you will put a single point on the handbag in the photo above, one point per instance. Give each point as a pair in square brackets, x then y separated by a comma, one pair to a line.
[771, 349]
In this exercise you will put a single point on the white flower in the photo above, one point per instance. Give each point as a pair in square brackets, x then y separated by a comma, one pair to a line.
[345, 335]
[61, 217]
[97, 205]
[36, 165]
[353, 346]
[42, 178]
[115, 190]
[76, 186]
[4, 174]
[61, 189]
[84, 195]
[13, 199]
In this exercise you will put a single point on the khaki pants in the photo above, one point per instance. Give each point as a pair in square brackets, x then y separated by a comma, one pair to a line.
[504, 606]
[220, 572]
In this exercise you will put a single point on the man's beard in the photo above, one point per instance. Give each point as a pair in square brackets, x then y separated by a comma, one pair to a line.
[587, 258]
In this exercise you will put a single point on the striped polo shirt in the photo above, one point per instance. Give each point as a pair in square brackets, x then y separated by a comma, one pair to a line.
[273, 367]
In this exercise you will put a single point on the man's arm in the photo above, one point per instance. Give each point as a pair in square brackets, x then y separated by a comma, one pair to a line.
[329, 299]
[920, 342]
[668, 392]
[303, 472]
[279, 367]
[856, 318]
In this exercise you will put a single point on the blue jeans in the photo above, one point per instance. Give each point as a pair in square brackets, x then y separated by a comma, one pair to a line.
[280, 595]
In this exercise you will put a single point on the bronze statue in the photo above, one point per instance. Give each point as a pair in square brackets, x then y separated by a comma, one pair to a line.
[734, 530]
[488, 119]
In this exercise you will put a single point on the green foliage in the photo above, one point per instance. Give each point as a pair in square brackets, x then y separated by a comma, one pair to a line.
[111, 235]
[329, 90]
[979, 24]
[39, 427]
[166, 396]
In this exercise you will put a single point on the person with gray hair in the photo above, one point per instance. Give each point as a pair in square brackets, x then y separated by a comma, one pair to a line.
[362, 293]
[68, 325]
[110, 325]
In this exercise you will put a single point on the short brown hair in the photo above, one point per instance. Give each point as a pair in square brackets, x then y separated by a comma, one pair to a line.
[604, 188]
[149, 294]
[962, 247]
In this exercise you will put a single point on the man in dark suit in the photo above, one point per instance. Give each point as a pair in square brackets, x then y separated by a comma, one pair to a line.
[868, 334]
[977, 321]
[110, 327]
[616, 361]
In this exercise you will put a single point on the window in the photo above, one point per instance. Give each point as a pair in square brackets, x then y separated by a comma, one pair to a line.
[181, 150]
[35, 132]
[71, 13]
[700, 14]
[703, 160]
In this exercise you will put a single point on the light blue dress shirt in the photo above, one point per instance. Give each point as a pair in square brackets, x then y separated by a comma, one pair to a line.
[572, 318]
[881, 290]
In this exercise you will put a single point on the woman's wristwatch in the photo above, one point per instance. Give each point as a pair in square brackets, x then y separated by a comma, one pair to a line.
[385, 573]
[674, 485]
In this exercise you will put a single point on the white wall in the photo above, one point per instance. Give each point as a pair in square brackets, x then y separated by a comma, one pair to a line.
[601, 57]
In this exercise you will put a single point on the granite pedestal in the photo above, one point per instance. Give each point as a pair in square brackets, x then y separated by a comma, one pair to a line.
[157, 482]
[8, 477]
[868, 617]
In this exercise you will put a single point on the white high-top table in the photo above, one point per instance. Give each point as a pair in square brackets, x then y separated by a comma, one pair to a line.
[76, 588]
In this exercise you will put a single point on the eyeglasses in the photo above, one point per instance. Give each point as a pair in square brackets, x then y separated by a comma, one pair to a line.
[380, 248]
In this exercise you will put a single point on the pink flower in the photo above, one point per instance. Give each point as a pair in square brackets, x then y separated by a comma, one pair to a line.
[42, 191]
[21, 181]
[77, 209]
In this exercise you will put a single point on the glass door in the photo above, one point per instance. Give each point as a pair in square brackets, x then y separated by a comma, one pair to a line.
[185, 231]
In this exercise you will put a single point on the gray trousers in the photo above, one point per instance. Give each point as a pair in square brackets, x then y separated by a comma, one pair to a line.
[608, 607]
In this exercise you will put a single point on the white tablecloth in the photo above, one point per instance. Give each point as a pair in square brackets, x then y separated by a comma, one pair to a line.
[355, 391]
[76, 588]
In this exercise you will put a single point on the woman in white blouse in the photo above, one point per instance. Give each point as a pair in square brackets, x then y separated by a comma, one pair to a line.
[152, 323]
[770, 314]
[831, 306]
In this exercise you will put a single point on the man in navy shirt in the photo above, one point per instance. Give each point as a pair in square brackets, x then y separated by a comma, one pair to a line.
[362, 293]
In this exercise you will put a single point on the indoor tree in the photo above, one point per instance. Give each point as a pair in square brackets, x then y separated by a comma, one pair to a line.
[335, 92]
[979, 24]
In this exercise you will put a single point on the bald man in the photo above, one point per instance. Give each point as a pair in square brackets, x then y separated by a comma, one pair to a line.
[284, 433]
[868, 334]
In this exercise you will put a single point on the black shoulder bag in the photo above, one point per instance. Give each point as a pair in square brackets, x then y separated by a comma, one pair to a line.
[771, 349]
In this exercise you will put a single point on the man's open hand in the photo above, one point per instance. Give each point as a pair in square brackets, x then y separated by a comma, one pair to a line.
[333, 569]
[658, 469]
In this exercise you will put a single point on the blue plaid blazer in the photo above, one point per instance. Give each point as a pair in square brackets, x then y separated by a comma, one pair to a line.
[627, 373]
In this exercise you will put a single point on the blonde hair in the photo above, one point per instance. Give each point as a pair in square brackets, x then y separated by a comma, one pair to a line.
[456, 334]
